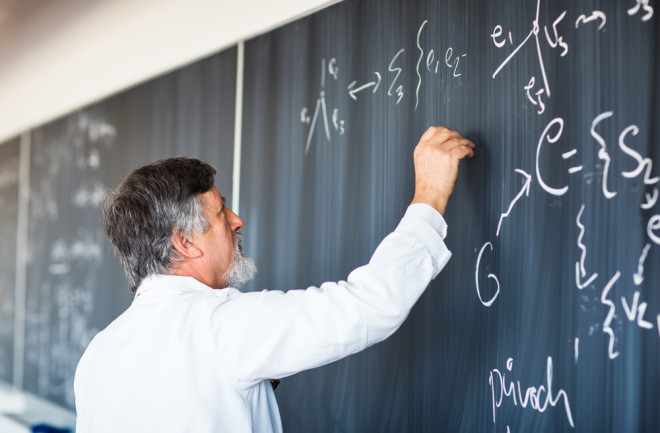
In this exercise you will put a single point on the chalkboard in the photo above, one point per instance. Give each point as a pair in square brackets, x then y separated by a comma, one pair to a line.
[547, 318]
[9, 178]
[75, 285]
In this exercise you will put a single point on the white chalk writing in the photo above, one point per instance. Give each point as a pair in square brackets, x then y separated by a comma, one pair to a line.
[532, 396]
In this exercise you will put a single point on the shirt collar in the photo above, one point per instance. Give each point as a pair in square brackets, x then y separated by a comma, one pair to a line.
[171, 283]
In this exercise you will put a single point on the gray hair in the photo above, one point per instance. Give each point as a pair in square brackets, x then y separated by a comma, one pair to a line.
[148, 206]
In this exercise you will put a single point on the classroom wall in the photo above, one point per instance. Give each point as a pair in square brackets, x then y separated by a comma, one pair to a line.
[553, 225]
[60, 55]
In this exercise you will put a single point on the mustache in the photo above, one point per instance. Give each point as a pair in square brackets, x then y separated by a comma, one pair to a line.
[242, 269]
[238, 237]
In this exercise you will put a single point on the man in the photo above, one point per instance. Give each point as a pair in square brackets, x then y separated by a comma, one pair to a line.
[193, 354]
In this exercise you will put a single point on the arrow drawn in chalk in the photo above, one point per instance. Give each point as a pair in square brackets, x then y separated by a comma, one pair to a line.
[353, 91]
[638, 277]
[524, 190]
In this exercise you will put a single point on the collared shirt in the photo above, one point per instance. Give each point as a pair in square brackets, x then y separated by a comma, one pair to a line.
[187, 358]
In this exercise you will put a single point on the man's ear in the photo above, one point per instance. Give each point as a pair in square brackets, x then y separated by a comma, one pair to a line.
[184, 245]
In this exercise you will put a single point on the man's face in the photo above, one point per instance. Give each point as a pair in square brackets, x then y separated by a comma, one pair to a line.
[218, 242]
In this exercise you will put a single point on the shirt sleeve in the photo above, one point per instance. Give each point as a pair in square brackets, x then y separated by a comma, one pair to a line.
[273, 334]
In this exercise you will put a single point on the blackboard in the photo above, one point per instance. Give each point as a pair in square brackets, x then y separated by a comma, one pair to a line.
[75, 286]
[547, 318]
[9, 180]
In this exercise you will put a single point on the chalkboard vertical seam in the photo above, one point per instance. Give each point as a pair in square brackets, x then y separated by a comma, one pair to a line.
[238, 129]
[21, 259]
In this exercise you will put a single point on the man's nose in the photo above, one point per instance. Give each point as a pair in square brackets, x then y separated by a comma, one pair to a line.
[235, 222]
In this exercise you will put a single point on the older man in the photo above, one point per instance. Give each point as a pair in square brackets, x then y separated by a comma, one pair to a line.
[188, 357]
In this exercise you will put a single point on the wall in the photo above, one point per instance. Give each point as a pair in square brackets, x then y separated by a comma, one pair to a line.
[60, 55]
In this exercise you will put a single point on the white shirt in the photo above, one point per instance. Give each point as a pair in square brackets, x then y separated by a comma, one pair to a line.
[187, 358]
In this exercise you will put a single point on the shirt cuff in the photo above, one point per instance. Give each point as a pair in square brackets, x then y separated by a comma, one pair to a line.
[428, 227]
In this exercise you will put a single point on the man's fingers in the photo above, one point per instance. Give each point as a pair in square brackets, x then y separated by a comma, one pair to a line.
[437, 158]
[463, 148]
[448, 140]
[428, 133]
[456, 142]
[439, 134]
[462, 145]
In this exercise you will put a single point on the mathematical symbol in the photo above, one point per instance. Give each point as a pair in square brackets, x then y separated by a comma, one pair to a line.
[524, 190]
[352, 91]
[610, 315]
[651, 200]
[602, 152]
[321, 106]
[645, 5]
[638, 277]
[558, 40]
[568, 155]
[595, 15]
[642, 163]
[553, 139]
[491, 275]
[636, 311]
[539, 93]
[338, 124]
[391, 68]
[332, 68]
[304, 116]
[534, 32]
[580, 272]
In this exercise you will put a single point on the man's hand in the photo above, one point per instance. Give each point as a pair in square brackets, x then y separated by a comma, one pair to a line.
[437, 156]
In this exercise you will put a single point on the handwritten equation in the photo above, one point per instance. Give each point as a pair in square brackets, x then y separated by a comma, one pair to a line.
[538, 93]
[68, 247]
[536, 90]
[629, 305]
[402, 78]
[58, 317]
[329, 121]
[643, 170]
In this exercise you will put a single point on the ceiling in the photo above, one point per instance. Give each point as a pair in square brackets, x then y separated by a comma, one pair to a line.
[16, 11]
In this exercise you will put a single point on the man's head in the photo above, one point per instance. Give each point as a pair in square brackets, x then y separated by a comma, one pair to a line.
[168, 218]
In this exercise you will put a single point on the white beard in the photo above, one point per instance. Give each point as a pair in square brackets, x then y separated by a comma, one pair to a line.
[242, 269]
